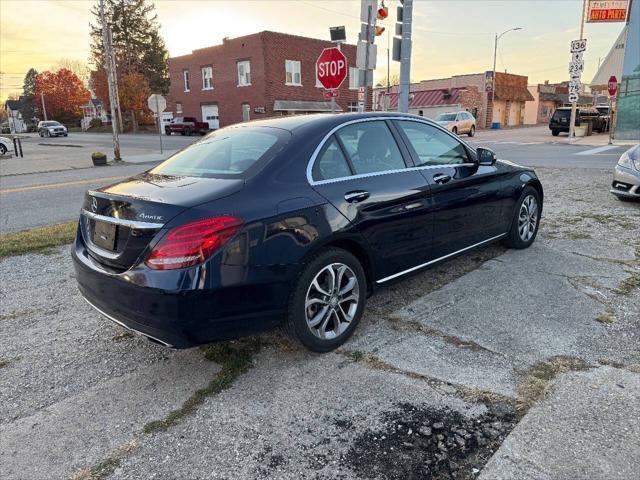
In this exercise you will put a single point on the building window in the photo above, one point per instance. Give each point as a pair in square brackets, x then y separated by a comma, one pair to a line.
[178, 107]
[244, 73]
[353, 106]
[185, 77]
[354, 78]
[246, 110]
[207, 78]
[293, 75]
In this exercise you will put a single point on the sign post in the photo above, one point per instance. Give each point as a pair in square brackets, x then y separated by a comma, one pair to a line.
[332, 69]
[613, 89]
[576, 67]
[157, 104]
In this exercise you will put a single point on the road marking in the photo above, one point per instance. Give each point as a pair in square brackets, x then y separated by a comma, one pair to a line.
[596, 150]
[59, 185]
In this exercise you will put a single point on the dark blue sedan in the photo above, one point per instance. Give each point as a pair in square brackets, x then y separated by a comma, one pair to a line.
[292, 222]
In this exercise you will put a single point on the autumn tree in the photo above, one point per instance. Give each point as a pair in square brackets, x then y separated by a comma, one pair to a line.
[134, 91]
[29, 100]
[80, 68]
[137, 43]
[63, 92]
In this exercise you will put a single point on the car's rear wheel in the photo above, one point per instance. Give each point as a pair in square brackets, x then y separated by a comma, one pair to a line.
[555, 133]
[3, 149]
[526, 220]
[472, 131]
[327, 301]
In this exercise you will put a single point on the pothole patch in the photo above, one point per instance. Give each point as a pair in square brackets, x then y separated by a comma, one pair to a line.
[430, 444]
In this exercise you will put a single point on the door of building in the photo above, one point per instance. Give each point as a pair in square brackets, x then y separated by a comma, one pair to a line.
[210, 115]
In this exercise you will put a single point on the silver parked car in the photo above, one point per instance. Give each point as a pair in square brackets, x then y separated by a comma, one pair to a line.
[51, 128]
[626, 176]
[458, 122]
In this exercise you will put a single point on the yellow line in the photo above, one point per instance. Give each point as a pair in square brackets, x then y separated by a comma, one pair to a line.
[59, 185]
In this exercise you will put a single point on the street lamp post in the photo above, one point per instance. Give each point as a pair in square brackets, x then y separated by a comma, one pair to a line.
[495, 53]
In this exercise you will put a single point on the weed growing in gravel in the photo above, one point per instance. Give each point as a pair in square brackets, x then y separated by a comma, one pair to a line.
[118, 337]
[235, 359]
[605, 317]
[538, 377]
[37, 239]
[628, 285]
[3, 363]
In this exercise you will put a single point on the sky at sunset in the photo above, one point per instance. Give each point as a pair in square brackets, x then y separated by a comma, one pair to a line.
[450, 37]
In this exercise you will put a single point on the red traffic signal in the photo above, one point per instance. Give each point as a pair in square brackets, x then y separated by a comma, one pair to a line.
[383, 12]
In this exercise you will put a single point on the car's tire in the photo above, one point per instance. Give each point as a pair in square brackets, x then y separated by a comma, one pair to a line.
[526, 220]
[41, 133]
[3, 149]
[472, 131]
[622, 198]
[454, 130]
[183, 133]
[66, 134]
[320, 315]
[555, 133]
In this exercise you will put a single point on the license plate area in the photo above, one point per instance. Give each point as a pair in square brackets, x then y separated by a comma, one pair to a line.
[104, 235]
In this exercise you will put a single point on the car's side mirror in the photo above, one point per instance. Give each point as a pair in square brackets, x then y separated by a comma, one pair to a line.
[486, 156]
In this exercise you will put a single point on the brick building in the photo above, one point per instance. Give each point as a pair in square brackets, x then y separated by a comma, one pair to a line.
[431, 103]
[257, 76]
[511, 95]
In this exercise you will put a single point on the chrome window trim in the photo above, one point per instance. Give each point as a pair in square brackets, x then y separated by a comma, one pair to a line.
[430, 262]
[316, 152]
[135, 224]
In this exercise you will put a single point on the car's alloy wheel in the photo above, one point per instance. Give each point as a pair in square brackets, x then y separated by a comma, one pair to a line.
[327, 300]
[332, 301]
[528, 218]
[3, 149]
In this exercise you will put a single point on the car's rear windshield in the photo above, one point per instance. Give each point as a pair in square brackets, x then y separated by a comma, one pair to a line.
[562, 114]
[229, 152]
[446, 117]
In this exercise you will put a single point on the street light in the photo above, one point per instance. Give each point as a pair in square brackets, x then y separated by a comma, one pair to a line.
[495, 52]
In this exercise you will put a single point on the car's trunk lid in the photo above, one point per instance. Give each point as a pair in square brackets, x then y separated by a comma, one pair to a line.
[120, 221]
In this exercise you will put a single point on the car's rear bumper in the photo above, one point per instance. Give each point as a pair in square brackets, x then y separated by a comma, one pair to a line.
[182, 316]
[626, 182]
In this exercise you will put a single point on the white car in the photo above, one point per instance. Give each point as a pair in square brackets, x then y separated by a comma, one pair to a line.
[5, 145]
[458, 122]
[51, 128]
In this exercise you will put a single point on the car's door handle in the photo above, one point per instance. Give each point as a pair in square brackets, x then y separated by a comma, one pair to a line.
[356, 196]
[441, 178]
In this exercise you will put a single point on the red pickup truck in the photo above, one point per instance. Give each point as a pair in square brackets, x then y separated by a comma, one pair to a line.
[186, 126]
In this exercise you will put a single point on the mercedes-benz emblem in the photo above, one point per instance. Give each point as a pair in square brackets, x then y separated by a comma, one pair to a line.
[94, 205]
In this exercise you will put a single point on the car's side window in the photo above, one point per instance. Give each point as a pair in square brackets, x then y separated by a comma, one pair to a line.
[331, 162]
[371, 147]
[433, 146]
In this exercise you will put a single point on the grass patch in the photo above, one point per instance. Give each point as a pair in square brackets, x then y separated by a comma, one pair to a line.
[538, 377]
[37, 239]
[605, 317]
[235, 359]
[17, 313]
[118, 337]
[628, 285]
[105, 468]
[4, 363]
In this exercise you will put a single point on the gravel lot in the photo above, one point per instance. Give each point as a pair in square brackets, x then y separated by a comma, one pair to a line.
[443, 367]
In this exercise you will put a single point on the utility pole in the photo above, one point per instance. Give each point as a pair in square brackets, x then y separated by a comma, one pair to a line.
[109, 63]
[365, 76]
[114, 73]
[405, 57]
[44, 109]
[572, 130]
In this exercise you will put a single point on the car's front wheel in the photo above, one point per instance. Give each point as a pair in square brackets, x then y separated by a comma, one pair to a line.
[472, 131]
[327, 301]
[555, 133]
[3, 149]
[454, 130]
[526, 220]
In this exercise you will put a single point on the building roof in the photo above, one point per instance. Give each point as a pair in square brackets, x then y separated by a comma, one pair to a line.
[428, 98]
[612, 63]
[513, 93]
[13, 104]
[304, 106]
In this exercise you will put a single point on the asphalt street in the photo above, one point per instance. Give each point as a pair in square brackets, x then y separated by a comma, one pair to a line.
[37, 199]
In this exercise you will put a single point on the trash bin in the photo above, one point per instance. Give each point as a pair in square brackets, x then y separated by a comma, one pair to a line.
[496, 126]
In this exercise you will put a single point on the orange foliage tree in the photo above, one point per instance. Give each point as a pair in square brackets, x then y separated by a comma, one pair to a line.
[63, 92]
[133, 89]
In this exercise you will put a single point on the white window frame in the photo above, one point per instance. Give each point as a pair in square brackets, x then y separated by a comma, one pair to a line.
[244, 78]
[186, 79]
[318, 84]
[207, 74]
[354, 78]
[178, 107]
[291, 67]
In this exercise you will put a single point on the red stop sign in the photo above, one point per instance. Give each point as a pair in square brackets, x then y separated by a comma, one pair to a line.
[613, 85]
[331, 67]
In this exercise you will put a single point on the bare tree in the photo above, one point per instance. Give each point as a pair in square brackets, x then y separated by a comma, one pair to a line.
[80, 68]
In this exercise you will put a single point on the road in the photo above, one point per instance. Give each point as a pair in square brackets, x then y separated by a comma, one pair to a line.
[37, 199]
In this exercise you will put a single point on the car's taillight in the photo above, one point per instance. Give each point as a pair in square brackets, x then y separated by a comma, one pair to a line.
[192, 243]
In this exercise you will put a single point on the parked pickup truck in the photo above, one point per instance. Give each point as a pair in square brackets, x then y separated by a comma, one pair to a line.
[186, 126]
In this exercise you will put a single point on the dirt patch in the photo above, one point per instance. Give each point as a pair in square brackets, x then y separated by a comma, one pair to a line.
[429, 444]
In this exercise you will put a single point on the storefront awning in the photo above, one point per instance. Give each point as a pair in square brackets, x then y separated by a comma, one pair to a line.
[303, 106]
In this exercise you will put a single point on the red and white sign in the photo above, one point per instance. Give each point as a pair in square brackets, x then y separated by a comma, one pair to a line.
[613, 85]
[600, 11]
[332, 68]
[330, 94]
